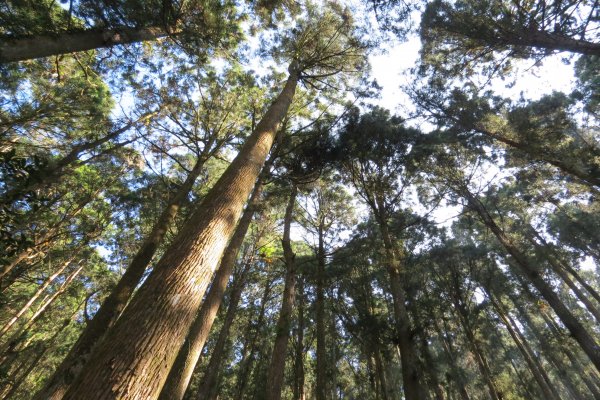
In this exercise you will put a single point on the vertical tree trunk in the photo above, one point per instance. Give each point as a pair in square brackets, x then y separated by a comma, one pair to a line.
[449, 351]
[137, 354]
[299, 360]
[252, 345]
[413, 390]
[71, 42]
[579, 333]
[277, 365]
[115, 303]
[380, 372]
[183, 368]
[209, 388]
[321, 387]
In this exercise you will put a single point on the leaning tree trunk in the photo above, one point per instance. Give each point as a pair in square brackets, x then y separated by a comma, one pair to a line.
[12, 50]
[208, 389]
[135, 358]
[183, 368]
[277, 365]
[114, 304]
[577, 330]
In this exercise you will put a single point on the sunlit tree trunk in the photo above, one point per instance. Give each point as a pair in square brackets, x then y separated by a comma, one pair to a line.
[43, 46]
[137, 354]
[183, 368]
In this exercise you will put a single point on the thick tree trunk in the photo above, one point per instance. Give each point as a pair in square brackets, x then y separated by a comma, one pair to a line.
[277, 365]
[209, 387]
[137, 354]
[579, 333]
[552, 41]
[12, 50]
[183, 368]
[115, 303]
[321, 387]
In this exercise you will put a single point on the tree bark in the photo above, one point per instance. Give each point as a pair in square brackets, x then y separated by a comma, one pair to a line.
[21, 49]
[183, 368]
[135, 357]
[115, 303]
[277, 365]
[209, 387]
[299, 393]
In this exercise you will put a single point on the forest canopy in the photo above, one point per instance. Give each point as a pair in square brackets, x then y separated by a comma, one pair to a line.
[209, 199]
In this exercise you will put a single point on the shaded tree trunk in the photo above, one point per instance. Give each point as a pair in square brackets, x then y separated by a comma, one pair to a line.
[183, 368]
[277, 365]
[12, 50]
[299, 393]
[251, 345]
[209, 387]
[321, 386]
[579, 333]
[137, 354]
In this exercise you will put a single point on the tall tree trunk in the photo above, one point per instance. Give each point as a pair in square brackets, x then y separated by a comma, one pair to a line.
[35, 296]
[115, 303]
[137, 354]
[299, 393]
[380, 372]
[208, 389]
[533, 363]
[321, 387]
[251, 346]
[413, 389]
[579, 333]
[277, 365]
[183, 368]
[12, 50]
[449, 351]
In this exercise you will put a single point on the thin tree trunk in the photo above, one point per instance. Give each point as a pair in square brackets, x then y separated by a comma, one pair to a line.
[579, 333]
[449, 351]
[115, 303]
[277, 365]
[380, 372]
[209, 386]
[35, 296]
[183, 368]
[137, 354]
[534, 365]
[299, 393]
[321, 387]
[252, 345]
[12, 50]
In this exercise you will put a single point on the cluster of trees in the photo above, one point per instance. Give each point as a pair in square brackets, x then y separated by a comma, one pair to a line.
[175, 225]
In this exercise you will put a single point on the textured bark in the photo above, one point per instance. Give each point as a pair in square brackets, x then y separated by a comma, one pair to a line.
[578, 331]
[321, 387]
[12, 50]
[135, 357]
[277, 365]
[181, 372]
[115, 303]
[209, 387]
[551, 41]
